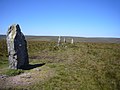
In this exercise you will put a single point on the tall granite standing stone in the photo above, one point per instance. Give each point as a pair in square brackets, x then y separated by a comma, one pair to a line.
[17, 48]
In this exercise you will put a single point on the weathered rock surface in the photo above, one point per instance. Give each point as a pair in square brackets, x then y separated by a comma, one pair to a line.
[17, 48]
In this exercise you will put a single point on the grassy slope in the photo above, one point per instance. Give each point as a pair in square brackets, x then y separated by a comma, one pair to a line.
[82, 66]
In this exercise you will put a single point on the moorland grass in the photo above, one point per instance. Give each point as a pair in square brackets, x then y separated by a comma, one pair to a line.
[79, 66]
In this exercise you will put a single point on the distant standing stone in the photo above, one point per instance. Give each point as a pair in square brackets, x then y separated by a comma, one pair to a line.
[64, 40]
[59, 40]
[17, 48]
[72, 41]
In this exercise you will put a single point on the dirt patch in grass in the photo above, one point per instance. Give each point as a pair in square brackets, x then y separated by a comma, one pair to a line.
[35, 75]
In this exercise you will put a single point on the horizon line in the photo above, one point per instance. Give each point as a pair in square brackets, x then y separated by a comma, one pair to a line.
[66, 36]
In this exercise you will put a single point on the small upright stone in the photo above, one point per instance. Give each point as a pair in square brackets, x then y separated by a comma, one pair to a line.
[64, 40]
[59, 41]
[72, 41]
[17, 48]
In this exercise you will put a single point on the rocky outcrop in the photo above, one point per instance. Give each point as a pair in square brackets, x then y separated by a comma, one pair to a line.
[17, 48]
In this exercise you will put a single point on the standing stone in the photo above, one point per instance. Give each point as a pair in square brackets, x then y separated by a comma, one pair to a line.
[64, 40]
[59, 40]
[72, 41]
[17, 48]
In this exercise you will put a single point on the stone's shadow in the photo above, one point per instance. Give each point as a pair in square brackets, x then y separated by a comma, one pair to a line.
[28, 67]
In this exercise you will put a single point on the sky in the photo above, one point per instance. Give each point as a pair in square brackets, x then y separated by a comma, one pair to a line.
[82, 18]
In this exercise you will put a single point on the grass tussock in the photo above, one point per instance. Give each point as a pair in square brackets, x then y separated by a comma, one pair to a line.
[12, 72]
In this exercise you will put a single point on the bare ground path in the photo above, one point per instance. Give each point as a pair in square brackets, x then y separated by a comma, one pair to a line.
[39, 74]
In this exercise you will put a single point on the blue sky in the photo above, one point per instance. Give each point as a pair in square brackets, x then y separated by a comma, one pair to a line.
[83, 18]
